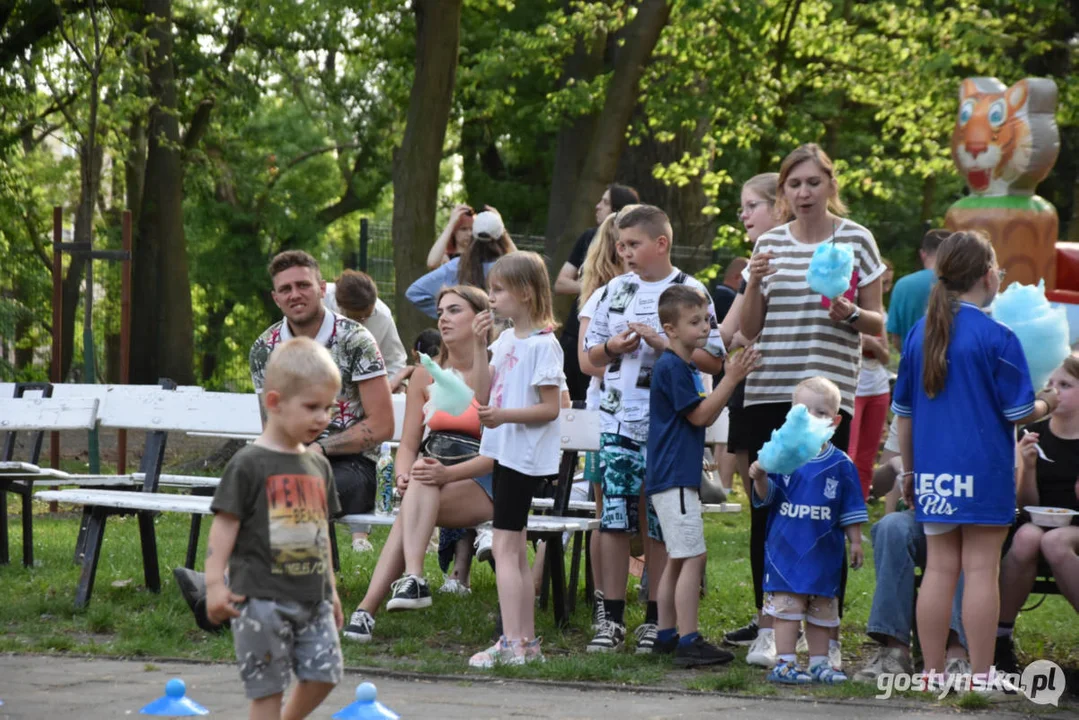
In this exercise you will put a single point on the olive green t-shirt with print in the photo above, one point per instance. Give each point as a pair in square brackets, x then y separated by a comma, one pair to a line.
[284, 502]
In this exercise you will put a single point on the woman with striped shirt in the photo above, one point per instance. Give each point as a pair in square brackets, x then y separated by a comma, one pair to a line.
[803, 334]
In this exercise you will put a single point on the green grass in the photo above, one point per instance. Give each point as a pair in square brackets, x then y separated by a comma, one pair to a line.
[124, 619]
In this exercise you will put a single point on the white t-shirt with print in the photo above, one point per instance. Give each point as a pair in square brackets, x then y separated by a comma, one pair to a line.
[627, 380]
[519, 368]
[595, 385]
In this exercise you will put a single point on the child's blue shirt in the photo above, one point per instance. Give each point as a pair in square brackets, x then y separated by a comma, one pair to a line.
[964, 438]
[803, 549]
[675, 445]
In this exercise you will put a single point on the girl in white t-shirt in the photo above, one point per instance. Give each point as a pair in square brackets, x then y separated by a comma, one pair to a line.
[520, 398]
[601, 265]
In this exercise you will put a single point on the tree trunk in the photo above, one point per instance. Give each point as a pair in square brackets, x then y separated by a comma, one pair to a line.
[415, 169]
[694, 232]
[161, 323]
[89, 181]
[609, 137]
[571, 147]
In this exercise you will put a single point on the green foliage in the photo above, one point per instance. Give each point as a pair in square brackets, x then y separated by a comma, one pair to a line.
[307, 107]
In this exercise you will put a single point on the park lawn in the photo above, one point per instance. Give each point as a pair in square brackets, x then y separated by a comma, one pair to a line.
[123, 619]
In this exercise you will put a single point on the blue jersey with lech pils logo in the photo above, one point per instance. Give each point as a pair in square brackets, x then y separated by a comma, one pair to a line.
[964, 438]
[803, 550]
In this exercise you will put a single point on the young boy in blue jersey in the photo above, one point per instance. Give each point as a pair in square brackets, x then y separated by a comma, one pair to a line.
[811, 511]
[680, 410]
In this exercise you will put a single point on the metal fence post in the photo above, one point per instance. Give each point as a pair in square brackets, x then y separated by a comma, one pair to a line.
[365, 238]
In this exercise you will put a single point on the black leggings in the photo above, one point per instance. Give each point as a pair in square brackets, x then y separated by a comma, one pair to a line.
[758, 517]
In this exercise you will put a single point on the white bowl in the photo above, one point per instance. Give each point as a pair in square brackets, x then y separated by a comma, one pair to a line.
[1050, 517]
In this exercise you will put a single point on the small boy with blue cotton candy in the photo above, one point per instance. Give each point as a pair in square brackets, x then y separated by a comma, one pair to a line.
[816, 500]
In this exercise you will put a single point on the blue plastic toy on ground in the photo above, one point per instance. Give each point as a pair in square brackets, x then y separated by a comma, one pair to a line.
[174, 704]
[365, 707]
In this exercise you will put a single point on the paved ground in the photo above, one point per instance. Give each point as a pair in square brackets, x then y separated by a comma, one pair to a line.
[92, 689]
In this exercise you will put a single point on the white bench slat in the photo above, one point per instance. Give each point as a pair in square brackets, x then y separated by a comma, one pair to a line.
[190, 504]
[47, 413]
[180, 412]
[162, 502]
[578, 429]
[588, 505]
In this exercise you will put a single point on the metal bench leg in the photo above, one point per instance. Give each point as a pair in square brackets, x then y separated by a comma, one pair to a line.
[193, 541]
[335, 556]
[95, 533]
[5, 555]
[574, 573]
[589, 586]
[148, 536]
[80, 542]
[545, 582]
[557, 562]
[28, 525]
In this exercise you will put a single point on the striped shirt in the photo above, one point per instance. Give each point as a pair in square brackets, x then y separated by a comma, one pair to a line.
[798, 339]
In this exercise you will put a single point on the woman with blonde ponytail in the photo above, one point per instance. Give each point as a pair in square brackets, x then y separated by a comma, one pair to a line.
[963, 386]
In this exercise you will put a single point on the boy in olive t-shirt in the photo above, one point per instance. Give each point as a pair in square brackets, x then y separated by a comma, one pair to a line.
[271, 529]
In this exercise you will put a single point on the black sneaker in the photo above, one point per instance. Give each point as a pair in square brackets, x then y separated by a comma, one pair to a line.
[599, 610]
[700, 652]
[192, 586]
[743, 636]
[664, 648]
[1004, 655]
[609, 638]
[360, 626]
[410, 592]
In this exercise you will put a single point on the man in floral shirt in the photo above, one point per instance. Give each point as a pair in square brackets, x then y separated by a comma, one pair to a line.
[363, 416]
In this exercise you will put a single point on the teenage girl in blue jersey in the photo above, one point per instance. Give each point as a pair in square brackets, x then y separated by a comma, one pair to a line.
[963, 385]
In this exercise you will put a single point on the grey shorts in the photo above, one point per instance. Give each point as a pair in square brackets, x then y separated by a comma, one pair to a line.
[271, 637]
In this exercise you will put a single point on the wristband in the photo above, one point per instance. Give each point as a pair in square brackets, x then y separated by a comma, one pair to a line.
[607, 350]
[853, 317]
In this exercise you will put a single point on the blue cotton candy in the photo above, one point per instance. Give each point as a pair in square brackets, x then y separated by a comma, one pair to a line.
[796, 443]
[1042, 329]
[449, 391]
[830, 269]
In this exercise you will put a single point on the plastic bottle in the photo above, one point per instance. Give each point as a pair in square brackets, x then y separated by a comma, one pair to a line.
[384, 477]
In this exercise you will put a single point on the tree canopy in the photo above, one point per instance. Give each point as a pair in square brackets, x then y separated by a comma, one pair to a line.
[233, 131]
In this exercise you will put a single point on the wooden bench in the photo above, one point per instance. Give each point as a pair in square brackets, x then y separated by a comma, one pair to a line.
[18, 414]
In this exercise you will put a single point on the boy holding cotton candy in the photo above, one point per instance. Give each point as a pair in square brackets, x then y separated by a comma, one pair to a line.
[625, 338]
[814, 501]
[679, 412]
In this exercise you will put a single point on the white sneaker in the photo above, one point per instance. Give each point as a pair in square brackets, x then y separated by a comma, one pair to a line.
[483, 544]
[763, 650]
[362, 545]
[453, 587]
[892, 661]
[835, 654]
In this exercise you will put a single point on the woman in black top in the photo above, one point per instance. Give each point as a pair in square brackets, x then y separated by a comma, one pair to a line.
[1049, 479]
[568, 282]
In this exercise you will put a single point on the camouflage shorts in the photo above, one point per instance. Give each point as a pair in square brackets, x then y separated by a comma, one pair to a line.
[273, 637]
[622, 465]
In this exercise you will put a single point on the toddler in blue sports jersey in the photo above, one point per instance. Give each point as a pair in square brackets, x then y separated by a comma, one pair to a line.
[811, 512]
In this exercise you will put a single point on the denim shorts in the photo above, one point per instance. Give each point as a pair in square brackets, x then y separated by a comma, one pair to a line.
[273, 636]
